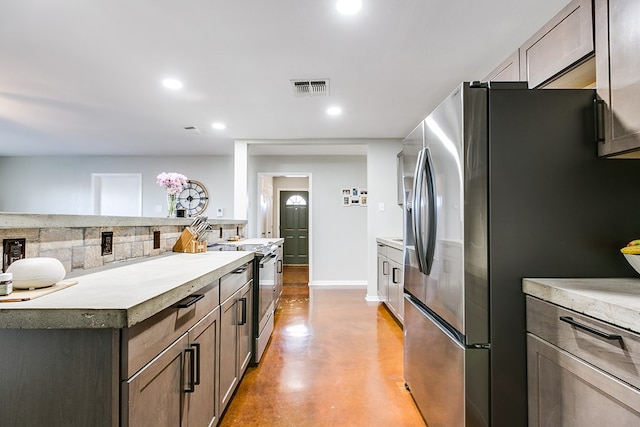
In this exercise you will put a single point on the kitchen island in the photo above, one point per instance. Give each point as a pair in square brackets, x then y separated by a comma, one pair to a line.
[122, 346]
[583, 351]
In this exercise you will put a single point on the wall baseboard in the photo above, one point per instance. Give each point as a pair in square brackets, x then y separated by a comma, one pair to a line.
[373, 298]
[346, 284]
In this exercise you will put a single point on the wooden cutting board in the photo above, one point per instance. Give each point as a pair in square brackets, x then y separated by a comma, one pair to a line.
[28, 294]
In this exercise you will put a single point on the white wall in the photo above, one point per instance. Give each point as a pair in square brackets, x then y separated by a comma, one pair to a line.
[62, 185]
[338, 240]
[381, 179]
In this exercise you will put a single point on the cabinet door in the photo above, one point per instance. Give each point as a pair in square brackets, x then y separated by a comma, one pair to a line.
[245, 336]
[561, 43]
[565, 391]
[201, 409]
[396, 299]
[229, 366]
[155, 393]
[383, 278]
[618, 74]
[507, 71]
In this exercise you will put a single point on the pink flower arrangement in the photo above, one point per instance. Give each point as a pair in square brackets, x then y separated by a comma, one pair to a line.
[174, 182]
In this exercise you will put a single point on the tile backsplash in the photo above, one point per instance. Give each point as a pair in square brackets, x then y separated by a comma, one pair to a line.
[80, 248]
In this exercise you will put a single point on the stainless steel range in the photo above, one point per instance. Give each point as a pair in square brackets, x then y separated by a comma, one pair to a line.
[265, 273]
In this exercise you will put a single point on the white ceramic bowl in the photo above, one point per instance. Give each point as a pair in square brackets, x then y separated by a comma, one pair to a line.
[634, 260]
[34, 273]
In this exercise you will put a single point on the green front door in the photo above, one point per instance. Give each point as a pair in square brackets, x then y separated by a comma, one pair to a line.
[294, 226]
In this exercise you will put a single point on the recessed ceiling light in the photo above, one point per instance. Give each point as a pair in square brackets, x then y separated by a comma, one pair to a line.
[349, 7]
[172, 84]
[334, 111]
[218, 125]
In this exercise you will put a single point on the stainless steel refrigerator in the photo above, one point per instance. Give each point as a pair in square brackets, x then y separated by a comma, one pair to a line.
[500, 182]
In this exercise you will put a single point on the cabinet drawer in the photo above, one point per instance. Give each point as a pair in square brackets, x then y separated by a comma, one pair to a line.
[395, 255]
[619, 357]
[144, 341]
[235, 280]
[382, 249]
[566, 391]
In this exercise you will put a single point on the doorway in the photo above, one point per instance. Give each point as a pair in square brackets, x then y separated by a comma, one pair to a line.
[274, 189]
[117, 194]
[294, 226]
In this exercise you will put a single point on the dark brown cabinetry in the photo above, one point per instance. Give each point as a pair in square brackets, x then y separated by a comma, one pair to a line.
[618, 76]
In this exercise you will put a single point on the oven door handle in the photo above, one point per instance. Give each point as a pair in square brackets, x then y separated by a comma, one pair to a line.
[266, 259]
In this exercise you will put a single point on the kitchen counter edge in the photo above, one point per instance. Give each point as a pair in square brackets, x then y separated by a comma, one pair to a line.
[612, 300]
[121, 297]
[9, 220]
[394, 242]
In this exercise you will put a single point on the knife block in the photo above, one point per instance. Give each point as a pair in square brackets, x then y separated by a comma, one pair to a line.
[187, 243]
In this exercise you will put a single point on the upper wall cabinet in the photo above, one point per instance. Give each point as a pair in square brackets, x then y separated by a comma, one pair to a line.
[618, 76]
[507, 71]
[561, 43]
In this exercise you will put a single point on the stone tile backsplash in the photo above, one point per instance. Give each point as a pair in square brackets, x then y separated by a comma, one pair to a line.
[80, 248]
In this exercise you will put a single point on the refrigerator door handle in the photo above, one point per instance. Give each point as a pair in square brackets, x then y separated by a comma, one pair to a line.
[424, 175]
[431, 211]
[416, 211]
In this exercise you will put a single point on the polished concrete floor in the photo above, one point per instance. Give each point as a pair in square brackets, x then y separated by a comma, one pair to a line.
[334, 360]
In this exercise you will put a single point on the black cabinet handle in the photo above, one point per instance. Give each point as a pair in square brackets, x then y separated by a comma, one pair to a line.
[196, 345]
[599, 116]
[189, 301]
[240, 270]
[192, 367]
[610, 337]
[244, 311]
[393, 274]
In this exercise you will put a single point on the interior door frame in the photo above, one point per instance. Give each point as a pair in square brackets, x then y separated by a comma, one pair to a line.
[277, 220]
[276, 205]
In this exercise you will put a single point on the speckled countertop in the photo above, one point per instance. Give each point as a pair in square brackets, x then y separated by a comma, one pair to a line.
[122, 296]
[616, 301]
[394, 242]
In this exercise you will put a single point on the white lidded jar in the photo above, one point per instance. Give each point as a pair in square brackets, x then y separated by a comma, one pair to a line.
[6, 283]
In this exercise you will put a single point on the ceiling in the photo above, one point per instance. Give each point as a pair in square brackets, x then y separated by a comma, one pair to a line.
[84, 77]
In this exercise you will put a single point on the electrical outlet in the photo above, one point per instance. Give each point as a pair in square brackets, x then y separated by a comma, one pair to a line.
[156, 240]
[107, 243]
[13, 250]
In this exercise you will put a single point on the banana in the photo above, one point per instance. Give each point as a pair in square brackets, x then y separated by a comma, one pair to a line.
[634, 242]
[631, 250]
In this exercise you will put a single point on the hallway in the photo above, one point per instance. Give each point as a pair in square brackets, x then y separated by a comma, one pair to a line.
[333, 360]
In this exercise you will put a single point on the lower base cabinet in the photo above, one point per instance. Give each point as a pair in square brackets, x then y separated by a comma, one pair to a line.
[172, 369]
[390, 279]
[577, 377]
[235, 338]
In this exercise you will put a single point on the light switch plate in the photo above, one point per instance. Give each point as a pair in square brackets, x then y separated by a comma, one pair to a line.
[381, 207]
[220, 212]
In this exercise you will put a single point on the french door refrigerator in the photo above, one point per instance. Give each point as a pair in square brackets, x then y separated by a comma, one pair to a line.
[507, 185]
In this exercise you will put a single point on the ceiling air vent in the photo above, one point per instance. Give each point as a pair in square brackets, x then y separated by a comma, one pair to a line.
[317, 87]
[193, 130]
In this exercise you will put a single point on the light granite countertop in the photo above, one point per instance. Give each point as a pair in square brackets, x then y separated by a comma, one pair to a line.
[122, 296]
[616, 301]
[394, 242]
